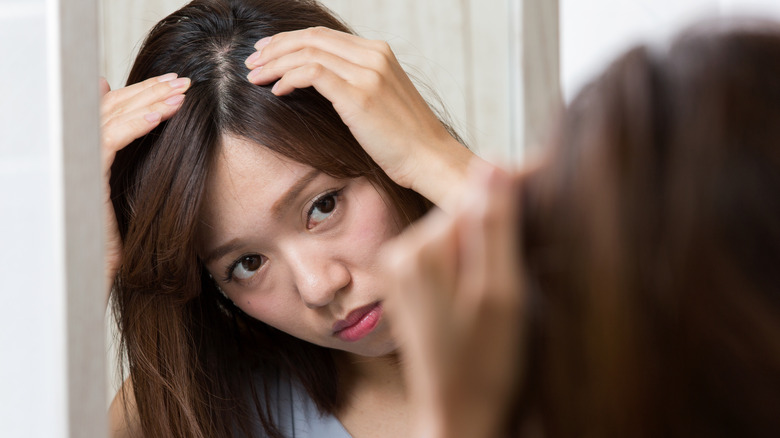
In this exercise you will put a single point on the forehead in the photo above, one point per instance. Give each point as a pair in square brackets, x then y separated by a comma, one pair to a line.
[245, 172]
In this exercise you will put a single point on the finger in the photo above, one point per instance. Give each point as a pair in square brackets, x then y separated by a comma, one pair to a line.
[351, 47]
[334, 88]
[114, 106]
[123, 129]
[366, 90]
[133, 89]
[278, 67]
[125, 93]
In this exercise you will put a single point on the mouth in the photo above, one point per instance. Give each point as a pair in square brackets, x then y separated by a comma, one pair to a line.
[359, 323]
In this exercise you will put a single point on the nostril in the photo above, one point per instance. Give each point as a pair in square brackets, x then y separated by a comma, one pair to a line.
[312, 306]
[318, 291]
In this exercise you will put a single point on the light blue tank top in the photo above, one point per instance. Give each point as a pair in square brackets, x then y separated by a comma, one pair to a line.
[296, 415]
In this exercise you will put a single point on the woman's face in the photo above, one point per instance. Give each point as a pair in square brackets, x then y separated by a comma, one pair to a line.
[298, 249]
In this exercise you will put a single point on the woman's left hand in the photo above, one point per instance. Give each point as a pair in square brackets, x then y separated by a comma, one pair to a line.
[375, 99]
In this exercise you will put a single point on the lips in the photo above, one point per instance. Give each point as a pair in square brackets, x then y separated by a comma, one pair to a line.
[359, 323]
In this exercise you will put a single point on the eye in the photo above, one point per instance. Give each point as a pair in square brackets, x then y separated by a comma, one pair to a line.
[245, 267]
[322, 208]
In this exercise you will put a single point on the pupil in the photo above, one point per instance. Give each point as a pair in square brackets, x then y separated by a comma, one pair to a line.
[251, 263]
[326, 205]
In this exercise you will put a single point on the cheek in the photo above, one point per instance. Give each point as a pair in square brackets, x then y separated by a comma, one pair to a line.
[273, 310]
[373, 225]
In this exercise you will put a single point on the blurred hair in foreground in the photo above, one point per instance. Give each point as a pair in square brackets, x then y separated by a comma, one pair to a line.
[652, 235]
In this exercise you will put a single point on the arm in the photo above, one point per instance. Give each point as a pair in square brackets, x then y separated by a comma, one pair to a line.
[375, 99]
[457, 310]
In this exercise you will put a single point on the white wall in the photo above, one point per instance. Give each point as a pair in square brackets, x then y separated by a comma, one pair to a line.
[766, 8]
[593, 32]
[32, 315]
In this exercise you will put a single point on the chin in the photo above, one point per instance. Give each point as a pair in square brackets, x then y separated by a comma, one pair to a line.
[374, 348]
[385, 350]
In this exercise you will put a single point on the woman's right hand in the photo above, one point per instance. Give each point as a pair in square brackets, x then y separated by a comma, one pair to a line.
[127, 114]
[377, 101]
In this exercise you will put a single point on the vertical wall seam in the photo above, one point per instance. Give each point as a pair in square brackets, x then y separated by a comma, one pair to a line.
[468, 61]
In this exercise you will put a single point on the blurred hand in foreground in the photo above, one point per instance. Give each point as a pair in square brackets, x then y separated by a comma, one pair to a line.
[457, 309]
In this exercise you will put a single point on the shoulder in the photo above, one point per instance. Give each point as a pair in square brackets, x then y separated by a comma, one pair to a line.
[293, 410]
[123, 414]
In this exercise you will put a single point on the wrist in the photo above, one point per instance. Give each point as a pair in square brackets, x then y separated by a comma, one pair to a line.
[443, 172]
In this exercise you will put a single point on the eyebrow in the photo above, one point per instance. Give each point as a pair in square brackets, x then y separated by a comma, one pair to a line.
[276, 210]
[293, 192]
[222, 251]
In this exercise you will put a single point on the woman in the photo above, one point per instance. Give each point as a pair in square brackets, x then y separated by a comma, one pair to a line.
[248, 226]
[651, 237]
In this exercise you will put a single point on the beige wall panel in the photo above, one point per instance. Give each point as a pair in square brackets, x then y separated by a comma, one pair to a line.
[542, 101]
[124, 25]
[487, 46]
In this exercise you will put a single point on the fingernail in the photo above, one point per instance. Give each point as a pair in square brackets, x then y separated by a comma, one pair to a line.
[180, 83]
[275, 88]
[153, 117]
[167, 77]
[254, 73]
[174, 100]
[262, 43]
[250, 62]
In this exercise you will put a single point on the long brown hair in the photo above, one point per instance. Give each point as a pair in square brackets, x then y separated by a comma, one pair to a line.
[653, 242]
[193, 356]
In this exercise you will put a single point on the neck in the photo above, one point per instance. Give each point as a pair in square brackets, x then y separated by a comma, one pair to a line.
[376, 404]
[384, 371]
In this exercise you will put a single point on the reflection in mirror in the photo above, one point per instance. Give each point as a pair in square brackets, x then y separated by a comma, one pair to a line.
[249, 223]
[249, 220]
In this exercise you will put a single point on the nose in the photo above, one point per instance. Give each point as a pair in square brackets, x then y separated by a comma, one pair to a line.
[318, 275]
